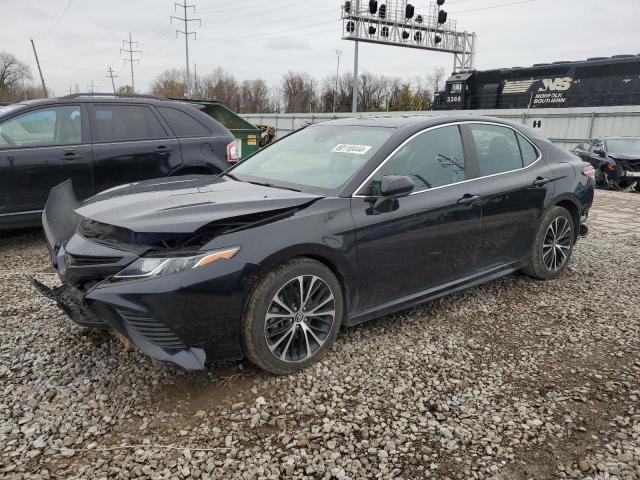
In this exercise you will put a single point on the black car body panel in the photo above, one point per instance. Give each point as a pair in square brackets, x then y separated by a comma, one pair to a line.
[184, 204]
[415, 248]
[99, 142]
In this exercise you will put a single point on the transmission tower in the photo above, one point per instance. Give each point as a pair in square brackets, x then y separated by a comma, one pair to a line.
[112, 75]
[185, 21]
[130, 51]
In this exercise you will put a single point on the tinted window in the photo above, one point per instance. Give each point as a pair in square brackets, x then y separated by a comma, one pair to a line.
[117, 123]
[432, 159]
[529, 153]
[182, 124]
[498, 149]
[44, 127]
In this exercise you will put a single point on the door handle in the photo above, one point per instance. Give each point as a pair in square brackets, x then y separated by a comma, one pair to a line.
[70, 155]
[468, 200]
[541, 181]
[162, 150]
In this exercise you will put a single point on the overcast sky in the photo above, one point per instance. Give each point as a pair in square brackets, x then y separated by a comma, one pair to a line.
[77, 40]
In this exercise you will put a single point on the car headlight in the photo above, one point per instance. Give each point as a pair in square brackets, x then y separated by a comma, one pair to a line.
[154, 266]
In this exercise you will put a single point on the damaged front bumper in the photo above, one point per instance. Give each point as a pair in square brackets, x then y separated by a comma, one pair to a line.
[167, 318]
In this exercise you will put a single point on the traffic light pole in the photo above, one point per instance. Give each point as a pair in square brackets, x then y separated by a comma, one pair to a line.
[354, 103]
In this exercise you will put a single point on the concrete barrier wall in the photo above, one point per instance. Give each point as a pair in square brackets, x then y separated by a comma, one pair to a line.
[564, 126]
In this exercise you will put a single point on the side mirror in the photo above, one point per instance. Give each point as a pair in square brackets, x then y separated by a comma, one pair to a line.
[602, 153]
[396, 186]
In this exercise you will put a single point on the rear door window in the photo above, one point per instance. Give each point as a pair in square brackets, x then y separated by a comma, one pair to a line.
[183, 124]
[51, 126]
[498, 149]
[121, 123]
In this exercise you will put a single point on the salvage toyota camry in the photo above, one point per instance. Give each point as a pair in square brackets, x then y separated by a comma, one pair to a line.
[333, 225]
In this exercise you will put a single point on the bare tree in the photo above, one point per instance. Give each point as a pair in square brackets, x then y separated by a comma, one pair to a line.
[436, 79]
[125, 90]
[222, 87]
[299, 92]
[254, 95]
[170, 83]
[13, 77]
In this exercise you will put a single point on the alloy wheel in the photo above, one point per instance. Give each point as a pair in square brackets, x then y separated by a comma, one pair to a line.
[557, 244]
[299, 319]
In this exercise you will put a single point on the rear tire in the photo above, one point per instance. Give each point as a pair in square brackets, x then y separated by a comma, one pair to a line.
[293, 316]
[552, 246]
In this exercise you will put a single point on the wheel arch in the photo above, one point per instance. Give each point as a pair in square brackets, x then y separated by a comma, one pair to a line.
[572, 205]
[195, 169]
[328, 257]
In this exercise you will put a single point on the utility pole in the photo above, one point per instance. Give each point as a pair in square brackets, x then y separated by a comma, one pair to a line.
[44, 87]
[338, 53]
[185, 20]
[112, 75]
[91, 87]
[131, 51]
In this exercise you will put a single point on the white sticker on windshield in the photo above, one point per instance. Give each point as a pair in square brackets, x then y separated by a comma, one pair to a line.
[355, 149]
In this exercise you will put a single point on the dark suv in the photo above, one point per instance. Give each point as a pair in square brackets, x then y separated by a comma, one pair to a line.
[99, 142]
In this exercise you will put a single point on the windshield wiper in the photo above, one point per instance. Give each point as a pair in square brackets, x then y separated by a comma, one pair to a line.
[271, 185]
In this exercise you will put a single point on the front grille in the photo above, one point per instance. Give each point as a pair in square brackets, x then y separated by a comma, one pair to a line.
[89, 261]
[629, 165]
[152, 330]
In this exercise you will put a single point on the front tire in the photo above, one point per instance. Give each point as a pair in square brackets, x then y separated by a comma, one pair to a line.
[552, 246]
[293, 316]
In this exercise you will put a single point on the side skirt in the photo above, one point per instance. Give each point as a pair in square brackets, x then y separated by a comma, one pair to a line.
[431, 294]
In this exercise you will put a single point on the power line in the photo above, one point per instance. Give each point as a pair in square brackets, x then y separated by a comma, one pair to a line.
[131, 51]
[282, 20]
[64, 12]
[262, 34]
[492, 6]
[185, 21]
[298, 2]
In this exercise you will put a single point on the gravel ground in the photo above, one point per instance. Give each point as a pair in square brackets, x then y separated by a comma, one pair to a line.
[513, 379]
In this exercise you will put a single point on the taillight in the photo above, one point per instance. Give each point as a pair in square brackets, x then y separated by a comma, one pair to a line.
[233, 152]
[589, 171]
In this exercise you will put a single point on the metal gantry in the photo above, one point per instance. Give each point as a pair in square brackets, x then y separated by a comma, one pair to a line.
[396, 23]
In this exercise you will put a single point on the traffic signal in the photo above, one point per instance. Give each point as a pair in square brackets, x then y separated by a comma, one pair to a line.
[440, 3]
[382, 11]
[372, 30]
[437, 39]
[373, 6]
[419, 19]
[347, 7]
[409, 11]
[351, 27]
[384, 31]
[405, 35]
[442, 16]
[417, 37]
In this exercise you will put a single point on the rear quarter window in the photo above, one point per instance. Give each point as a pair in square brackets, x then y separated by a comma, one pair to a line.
[183, 124]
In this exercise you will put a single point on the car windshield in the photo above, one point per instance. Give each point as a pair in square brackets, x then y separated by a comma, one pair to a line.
[317, 159]
[624, 146]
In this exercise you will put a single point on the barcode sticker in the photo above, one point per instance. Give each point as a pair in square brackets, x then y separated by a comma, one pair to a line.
[354, 149]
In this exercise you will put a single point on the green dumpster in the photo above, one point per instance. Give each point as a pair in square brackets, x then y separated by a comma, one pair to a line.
[247, 135]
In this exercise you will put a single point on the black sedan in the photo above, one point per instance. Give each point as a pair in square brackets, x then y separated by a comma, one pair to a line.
[615, 159]
[333, 225]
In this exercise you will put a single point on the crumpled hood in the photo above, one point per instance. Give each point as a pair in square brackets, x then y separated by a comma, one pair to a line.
[185, 204]
[622, 156]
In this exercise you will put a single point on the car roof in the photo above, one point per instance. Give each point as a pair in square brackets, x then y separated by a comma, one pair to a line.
[413, 121]
[98, 98]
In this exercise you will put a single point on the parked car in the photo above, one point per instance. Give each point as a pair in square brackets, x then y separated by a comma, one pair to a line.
[615, 159]
[99, 142]
[336, 224]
